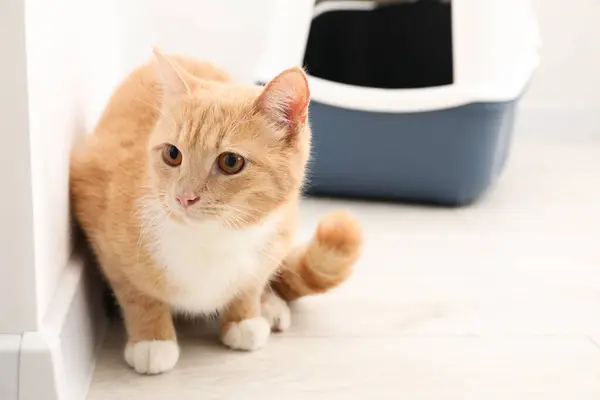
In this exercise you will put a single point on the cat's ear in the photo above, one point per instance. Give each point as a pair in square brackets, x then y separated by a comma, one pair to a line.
[174, 81]
[285, 99]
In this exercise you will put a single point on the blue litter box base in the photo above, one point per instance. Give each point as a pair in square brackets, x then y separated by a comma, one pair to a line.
[446, 157]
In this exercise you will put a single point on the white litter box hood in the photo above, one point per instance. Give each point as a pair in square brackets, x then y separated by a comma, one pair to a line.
[495, 46]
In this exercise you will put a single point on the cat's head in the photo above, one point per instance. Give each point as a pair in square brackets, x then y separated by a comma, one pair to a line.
[227, 152]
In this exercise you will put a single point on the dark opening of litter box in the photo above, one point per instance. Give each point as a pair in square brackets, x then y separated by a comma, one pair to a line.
[392, 45]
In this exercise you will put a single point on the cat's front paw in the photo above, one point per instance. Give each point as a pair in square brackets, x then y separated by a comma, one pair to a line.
[276, 311]
[152, 357]
[247, 334]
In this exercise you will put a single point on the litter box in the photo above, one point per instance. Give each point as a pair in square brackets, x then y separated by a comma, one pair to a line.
[412, 100]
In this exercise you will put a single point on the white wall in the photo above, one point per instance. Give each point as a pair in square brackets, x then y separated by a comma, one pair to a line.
[72, 67]
[230, 33]
[18, 311]
[569, 76]
[564, 97]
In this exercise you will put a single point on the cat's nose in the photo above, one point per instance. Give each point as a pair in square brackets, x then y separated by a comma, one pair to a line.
[187, 200]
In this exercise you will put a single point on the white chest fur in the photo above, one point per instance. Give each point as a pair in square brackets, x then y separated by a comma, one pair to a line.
[206, 262]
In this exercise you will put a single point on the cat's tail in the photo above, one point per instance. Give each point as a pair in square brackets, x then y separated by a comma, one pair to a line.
[323, 263]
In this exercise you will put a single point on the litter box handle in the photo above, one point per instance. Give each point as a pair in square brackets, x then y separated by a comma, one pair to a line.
[288, 29]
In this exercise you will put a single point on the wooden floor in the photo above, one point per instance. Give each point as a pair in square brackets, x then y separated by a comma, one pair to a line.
[497, 301]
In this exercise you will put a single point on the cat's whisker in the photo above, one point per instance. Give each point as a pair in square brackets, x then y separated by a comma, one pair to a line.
[242, 207]
[228, 224]
[270, 257]
[243, 214]
[225, 210]
[268, 286]
[233, 223]
[246, 211]
[280, 262]
[243, 219]
[150, 216]
[143, 209]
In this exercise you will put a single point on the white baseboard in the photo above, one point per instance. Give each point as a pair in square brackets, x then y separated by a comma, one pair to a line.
[57, 363]
[9, 366]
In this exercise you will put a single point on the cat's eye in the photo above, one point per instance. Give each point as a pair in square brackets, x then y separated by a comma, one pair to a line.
[171, 155]
[230, 163]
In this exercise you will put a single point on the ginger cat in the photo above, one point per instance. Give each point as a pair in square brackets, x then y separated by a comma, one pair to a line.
[188, 192]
